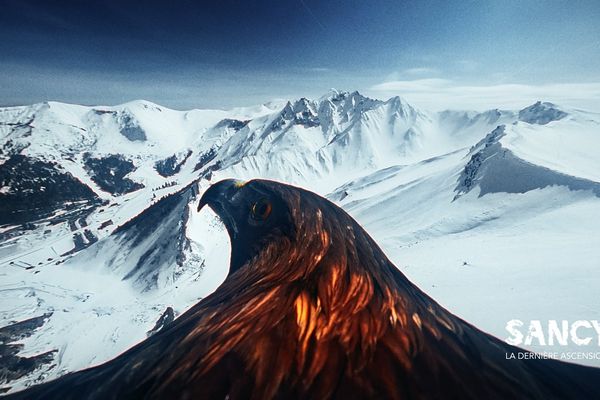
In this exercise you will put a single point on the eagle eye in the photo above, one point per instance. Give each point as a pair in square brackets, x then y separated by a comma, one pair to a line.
[261, 210]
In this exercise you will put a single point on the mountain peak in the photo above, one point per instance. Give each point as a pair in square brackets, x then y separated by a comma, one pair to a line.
[331, 93]
[541, 113]
[398, 102]
[339, 95]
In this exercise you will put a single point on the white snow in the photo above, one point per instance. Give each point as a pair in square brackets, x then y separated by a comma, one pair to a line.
[488, 256]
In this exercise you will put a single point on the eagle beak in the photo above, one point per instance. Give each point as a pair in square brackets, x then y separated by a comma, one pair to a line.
[219, 197]
[219, 194]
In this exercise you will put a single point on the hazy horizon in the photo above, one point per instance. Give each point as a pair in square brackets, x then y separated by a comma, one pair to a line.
[436, 55]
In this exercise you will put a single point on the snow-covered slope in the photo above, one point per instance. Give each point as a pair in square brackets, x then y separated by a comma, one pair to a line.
[494, 214]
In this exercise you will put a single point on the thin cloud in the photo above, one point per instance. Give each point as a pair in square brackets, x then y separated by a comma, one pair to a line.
[439, 94]
[421, 71]
[319, 69]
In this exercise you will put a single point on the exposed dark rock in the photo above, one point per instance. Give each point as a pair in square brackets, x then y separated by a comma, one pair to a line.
[208, 171]
[234, 124]
[304, 115]
[205, 158]
[110, 172]
[12, 366]
[23, 329]
[19, 129]
[170, 166]
[130, 128]
[165, 319]
[541, 113]
[102, 112]
[34, 189]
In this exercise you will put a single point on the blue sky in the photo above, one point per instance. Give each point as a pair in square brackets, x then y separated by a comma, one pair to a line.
[220, 54]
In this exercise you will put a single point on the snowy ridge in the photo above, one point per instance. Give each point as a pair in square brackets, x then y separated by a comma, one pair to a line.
[150, 245]
[99, 234]
[494, 167]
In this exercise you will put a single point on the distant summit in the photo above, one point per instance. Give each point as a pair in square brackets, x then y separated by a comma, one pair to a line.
[541, 113]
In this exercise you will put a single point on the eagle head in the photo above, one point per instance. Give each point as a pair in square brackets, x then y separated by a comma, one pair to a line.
[269, 220]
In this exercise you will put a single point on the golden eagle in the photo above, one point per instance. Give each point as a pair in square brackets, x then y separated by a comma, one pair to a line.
[313, 309]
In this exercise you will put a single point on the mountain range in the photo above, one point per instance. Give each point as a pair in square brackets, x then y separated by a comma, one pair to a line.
[494, 214]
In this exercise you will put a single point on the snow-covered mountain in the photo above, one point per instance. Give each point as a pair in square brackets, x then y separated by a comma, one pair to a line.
[494, 214]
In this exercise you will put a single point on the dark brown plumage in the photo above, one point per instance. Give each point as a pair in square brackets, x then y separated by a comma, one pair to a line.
[312, 308]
